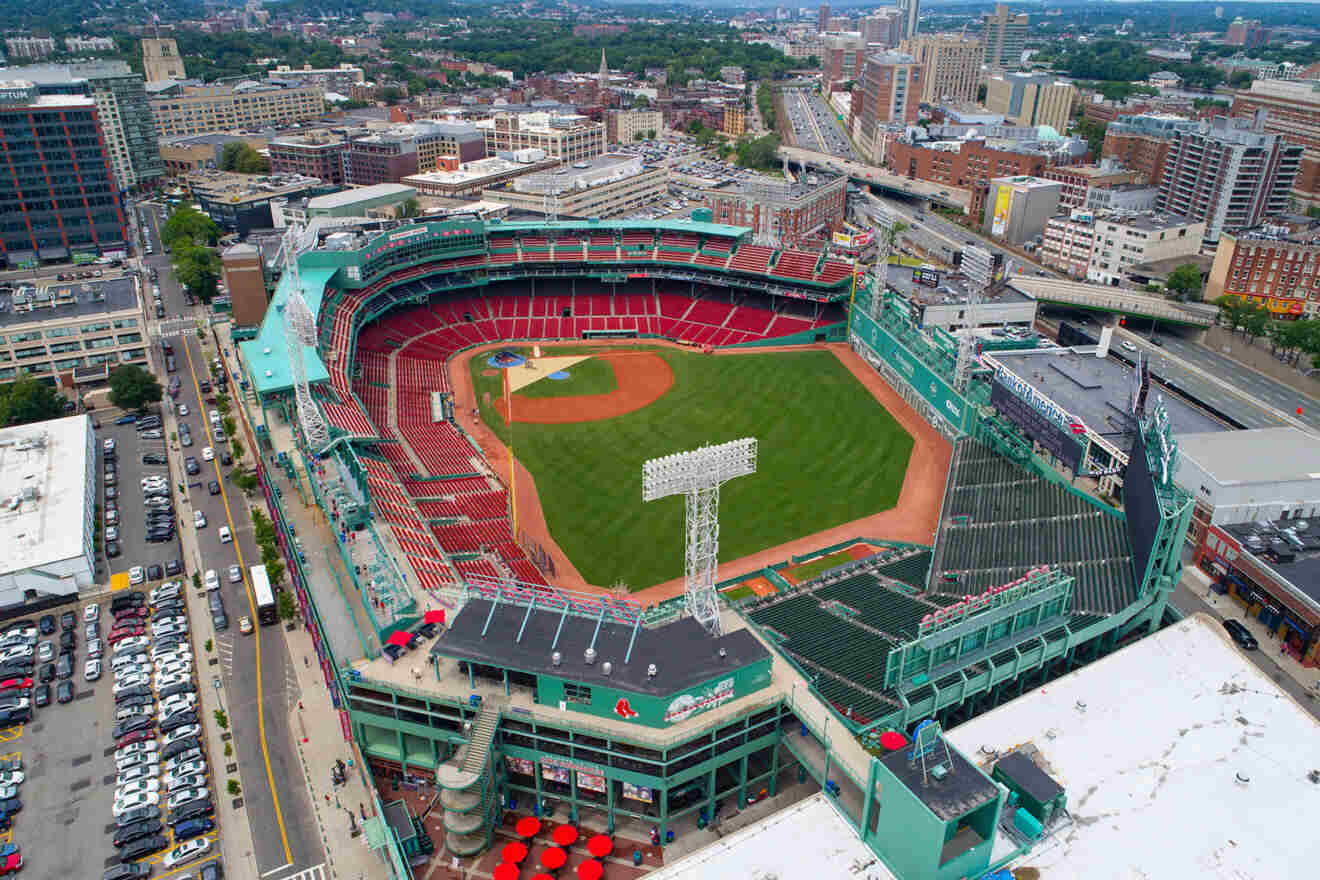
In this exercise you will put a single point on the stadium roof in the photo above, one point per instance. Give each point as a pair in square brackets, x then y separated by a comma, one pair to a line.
[50, 459]
[496, 226]
[267, 355]
[1163, 748]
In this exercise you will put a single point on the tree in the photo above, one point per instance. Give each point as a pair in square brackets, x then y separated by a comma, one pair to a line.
[132, 387]
[650, 134]
[1094, 133]
[26, 400]
[1240, 79]
[1185, 282]
[287, 607]
[197, 268]
[641, 102]
[409, 207]
[187, 223]
[241, 157]
[761, 153]
[639, 136]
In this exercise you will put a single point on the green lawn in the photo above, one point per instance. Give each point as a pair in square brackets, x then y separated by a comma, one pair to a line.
[593, 376]
[809, 570]
[829, 454]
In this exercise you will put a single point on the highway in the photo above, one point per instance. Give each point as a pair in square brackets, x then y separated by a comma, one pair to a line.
[921, 189]
[815, 126]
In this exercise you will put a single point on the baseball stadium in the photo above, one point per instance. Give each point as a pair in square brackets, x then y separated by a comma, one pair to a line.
[480, 409]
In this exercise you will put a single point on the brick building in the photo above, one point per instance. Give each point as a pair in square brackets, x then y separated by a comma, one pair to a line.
[1293, 113]
[318, 154]
[963, 163]
[1142, 142]
[1077, 180]
[1275, 265]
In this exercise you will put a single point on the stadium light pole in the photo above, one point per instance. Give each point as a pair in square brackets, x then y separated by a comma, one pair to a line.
[697, 476]
[300, 330]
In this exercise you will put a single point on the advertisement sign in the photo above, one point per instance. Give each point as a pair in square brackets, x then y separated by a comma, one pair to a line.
[591, 782]
[1060, 443]
[520, 765]
[638, 793]
[685, 706]
[1000, 221]
[928, 276]
[939, 394]
[554, 774]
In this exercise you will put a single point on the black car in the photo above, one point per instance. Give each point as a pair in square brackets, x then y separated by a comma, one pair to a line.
[167, 609]
[134, 599]
[64, 692]
[205, 386]
[191, 466]
[155, 572]
[183, 687]
[191, 810]
[190, 828]
[153, 458]
[47, 672]
[226, 459]
[67, 639]
[16, 669]
[15, 716]
[142, 705]
[181, 719]
[173, 567]
[46, 624]
[129, 833]
[179, 746]
[1240, 634]
[137, 814]
[127, 872]
[64, 666]
[42, 696]
[132, 693]
[142, 847]
[220, 621]
[159, 537]
[112, 550]
[128, 725]
[10, 806]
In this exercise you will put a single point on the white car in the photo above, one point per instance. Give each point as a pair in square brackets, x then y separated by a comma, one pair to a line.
[186, 852]
[1128, 345]
[140, 786]
[92, 669]
[235, 574]
[146, 759]
[211, 580]
[144, 799]
[136, 773]
[214, 416]
[199, 519]
[127, 660]
[137, 575]
[182, 796]
[109, 444]
[95, 648]
[161, 656]
[182, 733]
[190, 761]
[27, 632]
[92, 613]
[145, 747]
[208, 454]
[131, 681]
[183, 409]
[225, 535]
[132, 645]
[130, 710]
[164, 681]
[175, 667]
[164, 592]
[182, 701]
[12, 777]
[175, 783]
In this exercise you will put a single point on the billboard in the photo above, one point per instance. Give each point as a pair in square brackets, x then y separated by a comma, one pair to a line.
[1062, 444]
[925, 275]
[933, 388]
[849, 242]
[1142, 507]
[1000, 221]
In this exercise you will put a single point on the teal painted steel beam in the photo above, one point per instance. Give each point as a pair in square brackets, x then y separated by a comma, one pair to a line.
[526, 617]
[637, 624]
[599, 620]
[562, 617]
[491, 616]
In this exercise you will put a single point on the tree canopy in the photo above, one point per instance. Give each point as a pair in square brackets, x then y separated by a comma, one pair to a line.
[186, 222]
[758, 153]
[1184, 281]
[198, 269]
[26, 400]
[241, 157]
[133, 388]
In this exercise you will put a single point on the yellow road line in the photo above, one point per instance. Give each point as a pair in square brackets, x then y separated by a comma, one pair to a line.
[252, 605]
[9, 734]
[188, 867]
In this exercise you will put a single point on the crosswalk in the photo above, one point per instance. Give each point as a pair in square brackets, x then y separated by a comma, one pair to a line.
[169, 327]
[224, 646]
[316, 872]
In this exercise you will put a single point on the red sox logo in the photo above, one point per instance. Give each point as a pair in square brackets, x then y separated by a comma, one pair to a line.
[623, 710]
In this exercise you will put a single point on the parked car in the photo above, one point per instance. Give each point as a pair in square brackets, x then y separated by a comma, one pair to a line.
[1241, 635]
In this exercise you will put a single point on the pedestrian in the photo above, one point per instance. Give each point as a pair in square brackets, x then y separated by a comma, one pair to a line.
[306, 662]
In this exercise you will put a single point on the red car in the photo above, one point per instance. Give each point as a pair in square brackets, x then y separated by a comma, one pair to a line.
[10, 860]
[10, 684]
[131, 613]
[135, 736]
[119, 633]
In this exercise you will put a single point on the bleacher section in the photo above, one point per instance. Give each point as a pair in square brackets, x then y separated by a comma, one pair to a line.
[1001, 520]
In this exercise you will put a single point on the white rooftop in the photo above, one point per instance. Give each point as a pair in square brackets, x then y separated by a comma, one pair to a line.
[809, 840]
[51, 459]
[1149, 743]
[477, 169]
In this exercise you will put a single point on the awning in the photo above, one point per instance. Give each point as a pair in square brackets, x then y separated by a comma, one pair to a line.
[435, 615]
[399, 637]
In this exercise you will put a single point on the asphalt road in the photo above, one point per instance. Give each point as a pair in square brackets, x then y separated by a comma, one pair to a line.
[815, 126]
[256, 696]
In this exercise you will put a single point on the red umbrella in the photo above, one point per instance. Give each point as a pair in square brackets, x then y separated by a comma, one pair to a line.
[565, 835]
[435, 615]
[590, 870]
[554, 858]
[399, 637]
[892, 740]
[600, 846]
[527, 826]
[514, 852]
[506, 871]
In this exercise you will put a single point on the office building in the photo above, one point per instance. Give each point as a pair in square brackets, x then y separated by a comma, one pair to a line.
[48, 480]
[567, 137]
[881, 28]
[626, 126]
[468, 179]
[1122, 198]
[183, 108]
[1229, 175]
[1273, 265]
[909, 12]
[952, 67]
[823, 19]
[890, 95]
[778, 212]
[1247, 33]
[966, 163]
[1018, 208]
[122, 109]
[842, 56]
[29, 48]
[89, 44]
[244, 279]
[735, 119]
[1005, 36]
[1142, 142]
[1078, 180]
[196, 152]
[381, 200]
[317, 154]
[1292, 113]
[1031, 99]
[57, 188]
[389, 156]
[70, 332]
[161, 60]
[605, 186]
[1103, 248]
[339, 79]
[242, 202]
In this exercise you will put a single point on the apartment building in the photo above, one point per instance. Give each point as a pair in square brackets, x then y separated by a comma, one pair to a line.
[1004, 35]
[58, 193]
[1275, 265]
[568, 137]
[1031, 99]
[89, 44]
[242, 202]
[605, 186]
[1142, 142]
[183, 108]
[842, 56]
[1104, 248]
[52, 330]
[965, 163]
[29, 47]
[1078, 180]
[1248, 33]
[1229, 175]
[890, 94]
[1293, 113]
[122, 108]
[339, 79]
[161, 61]
[1068, 243]
[626, 126]
[952, 66]
[317, 154]
[196, 152]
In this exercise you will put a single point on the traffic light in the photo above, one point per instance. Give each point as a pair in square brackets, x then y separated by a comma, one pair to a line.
[1122, 320]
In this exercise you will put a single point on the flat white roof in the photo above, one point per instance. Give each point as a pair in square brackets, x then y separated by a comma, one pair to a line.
[1148, 744]
[808, 841]
[51, 459]
[1262, 455]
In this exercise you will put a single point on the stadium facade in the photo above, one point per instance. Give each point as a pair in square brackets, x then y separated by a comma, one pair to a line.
[544, 700]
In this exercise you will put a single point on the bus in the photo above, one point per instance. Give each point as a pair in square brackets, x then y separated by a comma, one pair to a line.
[267, 613]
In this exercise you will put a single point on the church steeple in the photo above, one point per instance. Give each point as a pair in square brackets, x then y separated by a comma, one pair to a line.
[604, 76]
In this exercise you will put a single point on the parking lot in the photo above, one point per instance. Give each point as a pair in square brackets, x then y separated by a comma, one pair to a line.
[129, 506]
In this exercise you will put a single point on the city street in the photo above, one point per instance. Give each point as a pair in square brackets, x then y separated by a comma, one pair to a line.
[257, 688]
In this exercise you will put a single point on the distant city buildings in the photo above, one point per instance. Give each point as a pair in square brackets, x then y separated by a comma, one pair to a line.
[953, 66]
[1031, 99]
[626, 126]
[182, 107]
[89, 44]
[29, 48]
[161, 61]
[1292, 111]
[1247, 33]
[1004, 34]
[562, 136]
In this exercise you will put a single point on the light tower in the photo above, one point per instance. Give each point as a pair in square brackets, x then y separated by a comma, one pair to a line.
[978, 266]
[300, 330]
[884, 230]
[697, 475]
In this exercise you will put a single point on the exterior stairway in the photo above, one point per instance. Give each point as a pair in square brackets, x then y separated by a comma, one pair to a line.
[467, 784]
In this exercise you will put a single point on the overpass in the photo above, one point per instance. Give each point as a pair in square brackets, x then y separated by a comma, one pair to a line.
[1102, 298]
[949, 196]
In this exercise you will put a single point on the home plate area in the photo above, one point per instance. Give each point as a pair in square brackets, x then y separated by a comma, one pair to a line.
[536, 369]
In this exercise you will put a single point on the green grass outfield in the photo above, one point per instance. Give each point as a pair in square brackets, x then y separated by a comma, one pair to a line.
[828, 454]
[593, 376]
